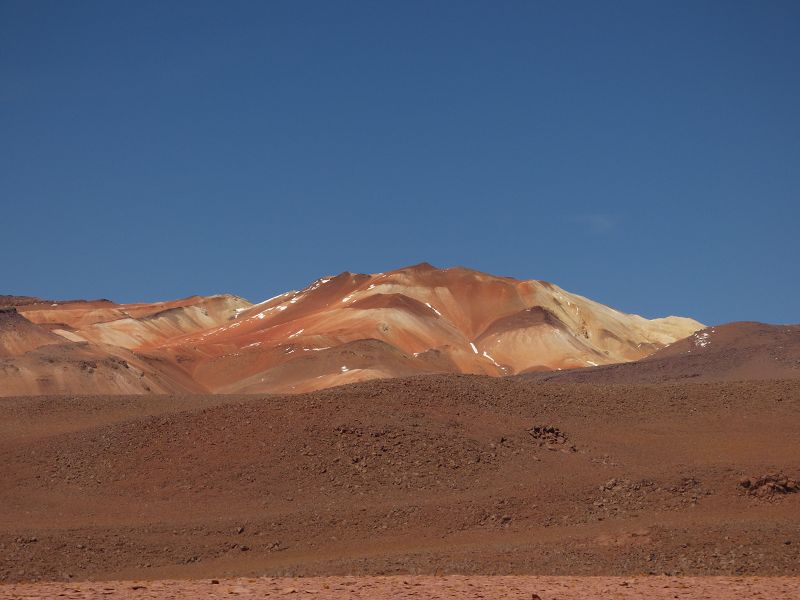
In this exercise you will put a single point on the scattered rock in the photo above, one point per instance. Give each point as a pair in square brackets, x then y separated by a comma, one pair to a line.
[549, 437]
[26, 540]
[770, 485]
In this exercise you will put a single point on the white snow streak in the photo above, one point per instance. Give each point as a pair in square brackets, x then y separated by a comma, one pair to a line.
[496, 364]
[275, 297]
[318, 283]
[701, 339]
[428, 304]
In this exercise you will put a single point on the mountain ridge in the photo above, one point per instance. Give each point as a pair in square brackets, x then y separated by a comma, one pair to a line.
[423, 320]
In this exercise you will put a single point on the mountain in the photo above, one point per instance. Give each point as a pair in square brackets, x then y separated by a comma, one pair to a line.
[340, 329]
[730, 352]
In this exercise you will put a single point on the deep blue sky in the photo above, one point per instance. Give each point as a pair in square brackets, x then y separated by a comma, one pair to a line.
[644, 154]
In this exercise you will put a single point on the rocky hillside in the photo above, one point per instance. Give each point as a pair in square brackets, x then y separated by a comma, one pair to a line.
[339, 329]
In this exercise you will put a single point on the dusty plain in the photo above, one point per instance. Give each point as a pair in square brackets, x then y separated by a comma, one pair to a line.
[424, 476]
[527, 587]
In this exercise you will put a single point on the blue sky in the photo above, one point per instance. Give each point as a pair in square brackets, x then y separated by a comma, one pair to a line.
[644, 154]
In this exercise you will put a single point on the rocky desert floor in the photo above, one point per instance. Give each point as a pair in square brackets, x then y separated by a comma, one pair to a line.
[424, 480]
[528, 587]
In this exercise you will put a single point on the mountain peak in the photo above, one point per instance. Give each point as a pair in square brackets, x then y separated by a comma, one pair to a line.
[423, 266]
[418, 319]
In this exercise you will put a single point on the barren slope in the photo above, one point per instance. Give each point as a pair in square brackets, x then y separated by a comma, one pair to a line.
[735, 351]
[18, 335]
[100, 347]
[349, 328]
[447, 474]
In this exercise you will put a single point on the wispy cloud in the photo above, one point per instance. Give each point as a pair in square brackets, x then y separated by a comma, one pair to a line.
[595, 223]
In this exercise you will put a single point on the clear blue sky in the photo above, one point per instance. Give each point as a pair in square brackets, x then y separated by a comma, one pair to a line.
[644, 154]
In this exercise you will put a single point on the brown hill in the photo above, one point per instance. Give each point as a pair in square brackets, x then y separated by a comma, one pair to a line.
[429, 474]
[8, 300]
[18, 335]
[342, 329]
[735, 351]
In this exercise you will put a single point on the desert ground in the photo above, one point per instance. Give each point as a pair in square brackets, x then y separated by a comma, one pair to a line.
[421, 586]
[440, 475]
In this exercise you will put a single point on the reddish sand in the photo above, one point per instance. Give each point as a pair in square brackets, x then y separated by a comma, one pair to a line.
[378, 588]
[447, 474]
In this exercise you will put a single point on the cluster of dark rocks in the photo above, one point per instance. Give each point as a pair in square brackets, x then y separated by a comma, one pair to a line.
[550, 437]
[770, 485]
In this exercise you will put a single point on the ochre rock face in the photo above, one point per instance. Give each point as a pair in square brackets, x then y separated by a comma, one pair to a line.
[338, 330]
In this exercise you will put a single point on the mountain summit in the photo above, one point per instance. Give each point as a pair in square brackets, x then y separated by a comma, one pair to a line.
[339, 329]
